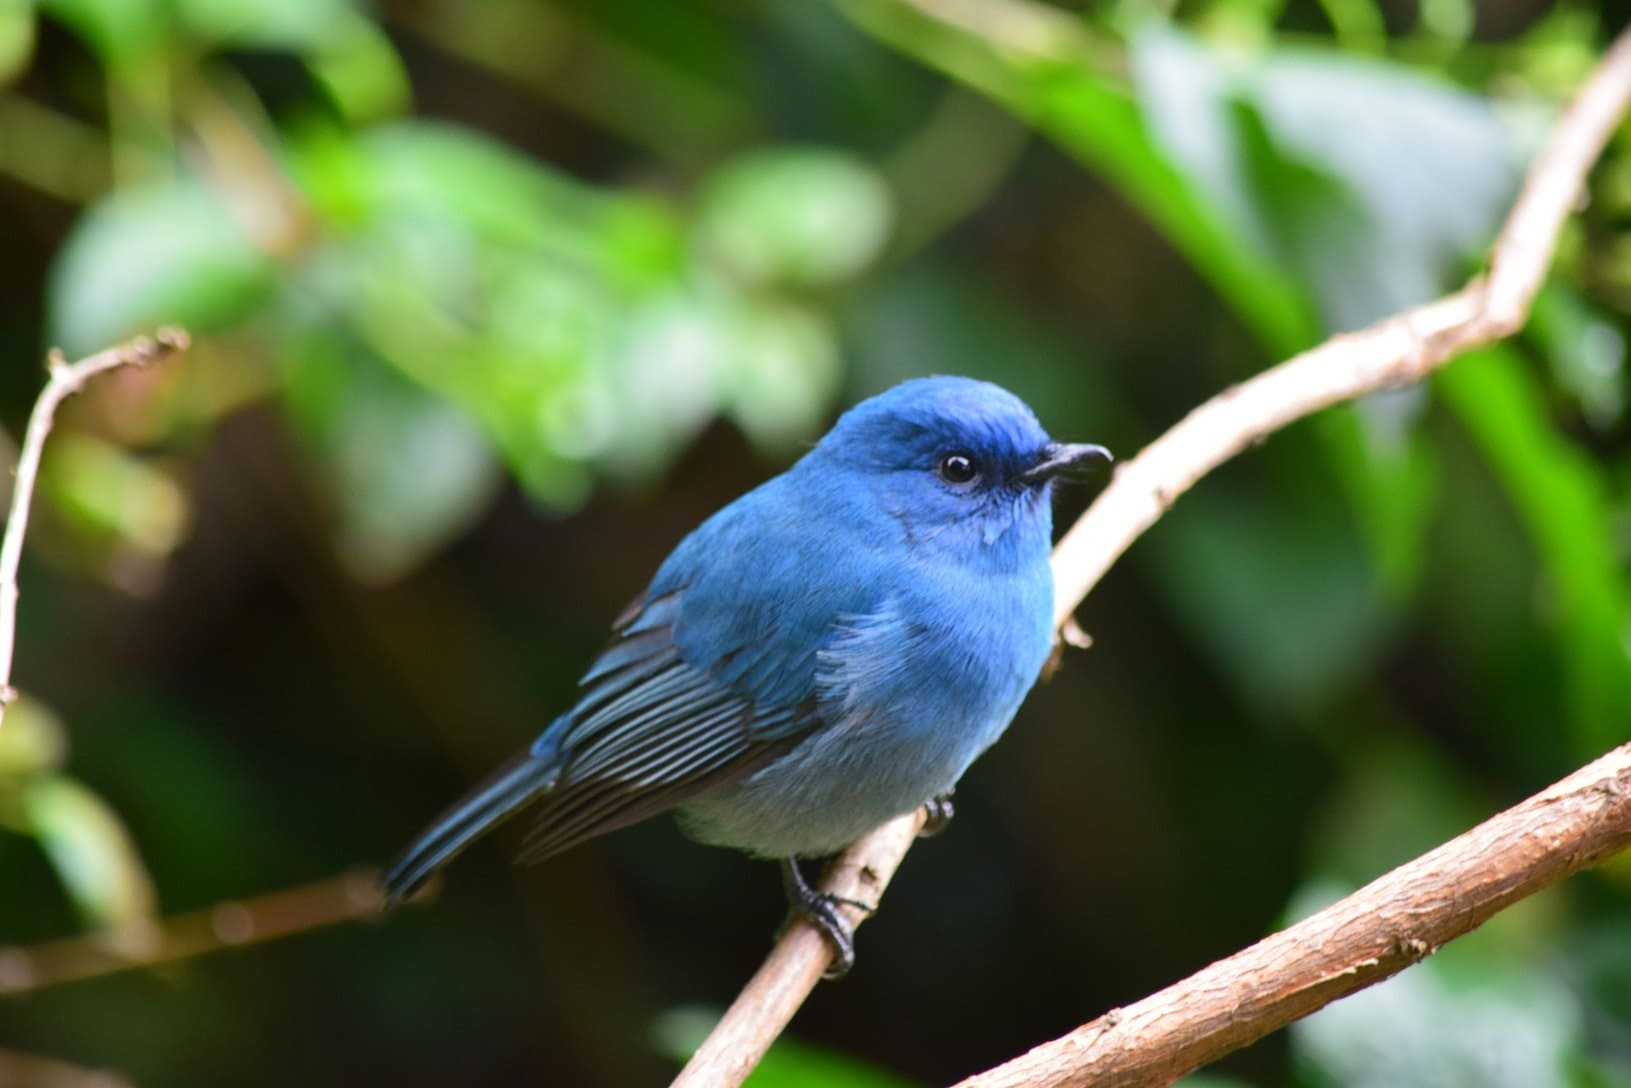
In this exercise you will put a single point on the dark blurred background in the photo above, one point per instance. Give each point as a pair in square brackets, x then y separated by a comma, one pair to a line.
[493, 301]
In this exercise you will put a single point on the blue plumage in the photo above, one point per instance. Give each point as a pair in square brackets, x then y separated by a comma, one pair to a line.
[829, 651]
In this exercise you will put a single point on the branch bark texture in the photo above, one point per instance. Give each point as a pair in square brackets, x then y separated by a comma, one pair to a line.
[1400, 918]
[1376, 932]
[66, 379]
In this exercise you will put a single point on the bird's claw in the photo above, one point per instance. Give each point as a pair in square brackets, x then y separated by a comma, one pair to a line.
[937, 814]
[820, 909]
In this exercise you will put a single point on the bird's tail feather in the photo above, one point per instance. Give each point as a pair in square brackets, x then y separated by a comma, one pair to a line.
[495, 799]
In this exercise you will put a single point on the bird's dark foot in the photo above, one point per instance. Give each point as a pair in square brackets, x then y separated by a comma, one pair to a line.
[820, 909]
[937, 814]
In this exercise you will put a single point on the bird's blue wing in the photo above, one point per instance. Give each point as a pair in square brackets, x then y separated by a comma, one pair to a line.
[708, 676]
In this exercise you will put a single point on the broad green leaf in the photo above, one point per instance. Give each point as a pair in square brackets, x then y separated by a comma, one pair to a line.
[804, 217]
[1055, 87]
[1433, 167]
[1562, 500]
[90, 849]
[165, 253]
[565, 322]
[33, 740]
[1374, 207]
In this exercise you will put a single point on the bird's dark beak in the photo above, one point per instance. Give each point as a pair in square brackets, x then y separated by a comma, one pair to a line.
[1058, 458]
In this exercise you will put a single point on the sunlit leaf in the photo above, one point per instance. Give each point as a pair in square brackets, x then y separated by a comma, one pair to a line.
[1366, 180]
[797, 216]
[166, 253]
[90, 849]
[782, 373]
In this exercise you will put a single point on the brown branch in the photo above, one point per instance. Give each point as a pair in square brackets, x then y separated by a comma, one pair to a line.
[1397, 351]
[794, 966]
[235, 923]
[66, 379]
[1377, 931]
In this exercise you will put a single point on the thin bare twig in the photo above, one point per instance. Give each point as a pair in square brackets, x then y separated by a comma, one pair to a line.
[235, 923]
[66, 379]
[1397, 351]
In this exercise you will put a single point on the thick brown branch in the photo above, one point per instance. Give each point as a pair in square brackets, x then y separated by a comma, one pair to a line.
[1394, 352]
[1377, 931]
[66, 379]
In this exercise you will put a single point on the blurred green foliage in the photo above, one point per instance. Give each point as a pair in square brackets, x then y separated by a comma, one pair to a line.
[493, 301]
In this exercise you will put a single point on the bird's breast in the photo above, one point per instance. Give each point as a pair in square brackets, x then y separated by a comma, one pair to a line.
[911, 693]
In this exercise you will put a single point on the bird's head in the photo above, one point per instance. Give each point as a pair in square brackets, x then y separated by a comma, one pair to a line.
[958, 464]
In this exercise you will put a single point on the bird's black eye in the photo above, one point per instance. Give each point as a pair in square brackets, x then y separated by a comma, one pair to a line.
[958, 468]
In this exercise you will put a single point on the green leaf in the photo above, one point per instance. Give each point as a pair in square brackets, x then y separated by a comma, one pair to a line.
[782, 371]
[1057, 89]
[564, 321]
[803, 217]
[115, 29]
[1433, 167]
[347, 53]
[165, 253]
[1563, 501]
[91, 850]
[1374, 208]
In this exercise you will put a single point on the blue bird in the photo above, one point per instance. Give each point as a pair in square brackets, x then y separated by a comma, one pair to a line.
[828, 652]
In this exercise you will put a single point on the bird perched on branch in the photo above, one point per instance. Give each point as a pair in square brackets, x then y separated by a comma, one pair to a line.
[828, 652]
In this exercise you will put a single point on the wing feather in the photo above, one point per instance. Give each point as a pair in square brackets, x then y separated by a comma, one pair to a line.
[650, 730]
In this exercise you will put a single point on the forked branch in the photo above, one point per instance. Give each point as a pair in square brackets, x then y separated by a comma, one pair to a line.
[1401, 917]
